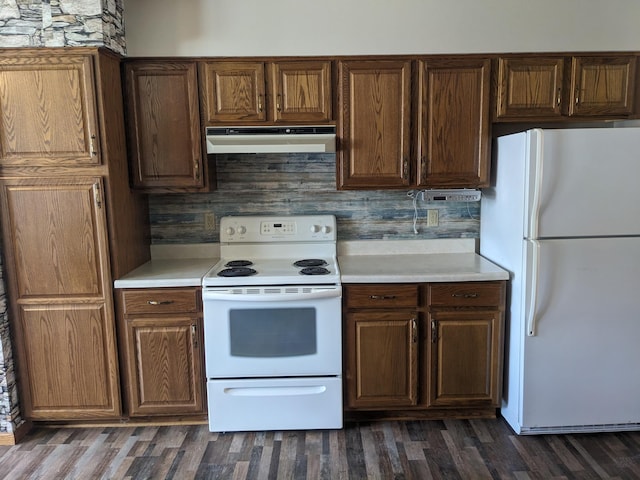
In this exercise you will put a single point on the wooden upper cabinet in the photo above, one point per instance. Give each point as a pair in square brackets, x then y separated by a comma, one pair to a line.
[453, 123]
[233, 93]
[374, 124]
[602, 85]
[557, 87]
[250, 93]
[530, 86]
[48, 110]
[163, 123]
[301, 91]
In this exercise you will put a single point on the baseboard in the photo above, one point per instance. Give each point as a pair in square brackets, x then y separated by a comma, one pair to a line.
[13, 438]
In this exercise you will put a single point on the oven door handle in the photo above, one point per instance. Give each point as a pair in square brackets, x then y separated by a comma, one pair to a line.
[271, 297]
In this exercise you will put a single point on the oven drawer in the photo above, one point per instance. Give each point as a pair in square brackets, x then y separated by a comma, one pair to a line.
[275, 404]
[466, 294]
[386, 295]
[161, 300]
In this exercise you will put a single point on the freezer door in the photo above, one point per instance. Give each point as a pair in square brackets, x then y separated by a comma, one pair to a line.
[580, 368]
[583, 182]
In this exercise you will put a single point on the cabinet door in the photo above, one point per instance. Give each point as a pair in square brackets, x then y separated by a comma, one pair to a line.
[58, 264]
[382, 361]
[233, 93]
[301, 91]
[465, 358]
[374, 123]
[602, 85]
[163, 123]
[530, 87]
[48, 111]
[165, 366]
[453, 125]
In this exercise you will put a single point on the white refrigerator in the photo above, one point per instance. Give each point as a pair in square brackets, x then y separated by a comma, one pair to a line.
[563, 217]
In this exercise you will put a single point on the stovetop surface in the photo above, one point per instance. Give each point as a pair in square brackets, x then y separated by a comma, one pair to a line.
[269, 246]
[272, 271]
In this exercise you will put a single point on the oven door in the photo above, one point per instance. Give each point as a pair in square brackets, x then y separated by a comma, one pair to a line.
[277, 331]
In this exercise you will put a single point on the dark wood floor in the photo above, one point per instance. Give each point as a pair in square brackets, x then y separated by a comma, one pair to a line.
[452, 449]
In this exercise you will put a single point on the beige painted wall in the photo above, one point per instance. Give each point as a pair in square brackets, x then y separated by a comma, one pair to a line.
[346, 27]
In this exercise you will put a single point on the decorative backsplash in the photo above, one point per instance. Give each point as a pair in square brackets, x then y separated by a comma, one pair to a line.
[302, 184]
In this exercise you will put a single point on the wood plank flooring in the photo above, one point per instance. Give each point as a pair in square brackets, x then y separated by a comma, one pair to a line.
[450, 449]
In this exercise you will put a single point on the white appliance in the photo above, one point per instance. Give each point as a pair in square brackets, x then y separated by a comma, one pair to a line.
[563, 217]
[273, 325]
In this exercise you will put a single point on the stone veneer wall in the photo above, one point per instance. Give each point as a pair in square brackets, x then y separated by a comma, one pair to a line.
[62, 23]
[48, 23]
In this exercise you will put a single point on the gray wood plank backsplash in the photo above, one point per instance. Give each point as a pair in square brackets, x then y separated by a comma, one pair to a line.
[302, 184]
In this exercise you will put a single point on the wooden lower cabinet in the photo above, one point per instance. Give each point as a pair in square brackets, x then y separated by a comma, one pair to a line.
[423, 350]
[161, 350]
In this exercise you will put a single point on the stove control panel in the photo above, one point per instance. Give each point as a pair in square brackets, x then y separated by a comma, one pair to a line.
[278, 228]
[298, 228]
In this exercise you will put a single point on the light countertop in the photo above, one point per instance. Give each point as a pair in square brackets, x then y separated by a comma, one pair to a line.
[418, 268]
[377, 261]
[167, 272]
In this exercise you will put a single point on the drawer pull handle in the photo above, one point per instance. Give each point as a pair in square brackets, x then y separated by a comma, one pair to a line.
[465, 295]
[382, 297]
[161, 302]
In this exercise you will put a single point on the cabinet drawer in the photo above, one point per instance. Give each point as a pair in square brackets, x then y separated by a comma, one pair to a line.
[381, 296]
[161, 300]
[466, 294]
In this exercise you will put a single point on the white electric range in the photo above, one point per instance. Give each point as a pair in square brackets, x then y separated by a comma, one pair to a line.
[272, 325]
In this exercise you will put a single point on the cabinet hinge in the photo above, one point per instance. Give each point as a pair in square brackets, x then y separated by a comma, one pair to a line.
[97, 194]
[194, 335]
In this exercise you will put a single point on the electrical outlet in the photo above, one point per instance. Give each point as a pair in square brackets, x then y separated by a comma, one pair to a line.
[209, 221]
[432, 218]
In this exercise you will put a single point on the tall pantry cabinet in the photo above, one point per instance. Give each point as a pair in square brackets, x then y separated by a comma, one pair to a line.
[70, 225]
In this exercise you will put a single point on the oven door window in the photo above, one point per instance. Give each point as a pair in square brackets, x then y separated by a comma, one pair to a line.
[272, 332]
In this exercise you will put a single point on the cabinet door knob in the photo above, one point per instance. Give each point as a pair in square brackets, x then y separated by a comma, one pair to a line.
[434, 331]
[260, 103]
[414, 329]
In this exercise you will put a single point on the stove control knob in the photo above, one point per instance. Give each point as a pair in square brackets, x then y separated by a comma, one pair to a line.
[242, 230]
[230, 231]
[326, 229]
[315, 228]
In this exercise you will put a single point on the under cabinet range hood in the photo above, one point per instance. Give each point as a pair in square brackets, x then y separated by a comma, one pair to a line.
[271, 139]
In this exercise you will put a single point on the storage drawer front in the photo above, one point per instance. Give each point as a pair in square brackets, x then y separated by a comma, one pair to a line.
[161, 300]
[381, 296]
[467, 294]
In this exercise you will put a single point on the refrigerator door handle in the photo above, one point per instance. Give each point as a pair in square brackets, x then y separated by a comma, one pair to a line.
[533, 299]
[537, 186]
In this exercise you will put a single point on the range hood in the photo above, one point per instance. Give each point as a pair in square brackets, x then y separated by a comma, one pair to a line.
[272, 139]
